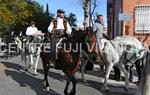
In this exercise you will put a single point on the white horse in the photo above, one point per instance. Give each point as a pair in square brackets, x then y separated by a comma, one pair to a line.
[30, 49]
[113, 54]
[35, 51]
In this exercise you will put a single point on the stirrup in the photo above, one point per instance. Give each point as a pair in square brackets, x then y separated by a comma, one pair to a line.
[52, 65]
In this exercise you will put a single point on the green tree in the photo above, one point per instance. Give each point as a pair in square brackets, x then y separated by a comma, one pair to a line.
[72, 19]
[13, 13]
[17, 15]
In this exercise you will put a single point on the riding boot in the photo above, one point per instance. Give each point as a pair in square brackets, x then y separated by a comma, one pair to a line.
[58, 66]
[98, 57]
[57, 63]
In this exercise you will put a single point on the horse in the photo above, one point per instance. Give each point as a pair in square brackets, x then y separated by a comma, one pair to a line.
[68, 61]
[35, 51]
[114, 55]
[27, 49]
[89, 53]
[11, 44]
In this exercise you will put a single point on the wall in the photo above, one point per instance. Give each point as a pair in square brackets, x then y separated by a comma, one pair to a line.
[128, 7]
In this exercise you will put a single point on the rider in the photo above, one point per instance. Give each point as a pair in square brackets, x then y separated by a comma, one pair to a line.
[31, 32]
[61, 25]
[98, 28]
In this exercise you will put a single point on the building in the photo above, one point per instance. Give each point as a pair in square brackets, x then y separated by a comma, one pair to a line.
[139, 23]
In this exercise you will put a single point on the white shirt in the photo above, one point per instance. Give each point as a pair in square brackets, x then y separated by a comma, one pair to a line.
[31, 31]
[60, 25]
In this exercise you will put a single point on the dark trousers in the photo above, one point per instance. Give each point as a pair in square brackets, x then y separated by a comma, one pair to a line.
[130, 69]
[117, 73]
[131, 72]
[139, 68]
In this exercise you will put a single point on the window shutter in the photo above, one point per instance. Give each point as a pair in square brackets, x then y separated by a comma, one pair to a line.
[142, 19]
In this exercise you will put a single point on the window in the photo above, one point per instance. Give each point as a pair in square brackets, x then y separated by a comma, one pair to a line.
[142, 19]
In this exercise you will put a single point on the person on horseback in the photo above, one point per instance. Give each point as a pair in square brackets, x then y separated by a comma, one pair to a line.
[31, 33]
[98, 28]
[58, 27]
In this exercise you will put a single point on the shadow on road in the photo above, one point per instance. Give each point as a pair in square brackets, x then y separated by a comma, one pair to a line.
[99, 73]
[54, 75]
[112, 91]
[25, 79]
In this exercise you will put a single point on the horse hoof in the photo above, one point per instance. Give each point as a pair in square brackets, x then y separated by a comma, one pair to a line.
[47, 88]
[84, 81]
[26, 70]
[72, 93]
[44, 81]
[66, 93]
[35, 74]
[105, 89]
[126, 89]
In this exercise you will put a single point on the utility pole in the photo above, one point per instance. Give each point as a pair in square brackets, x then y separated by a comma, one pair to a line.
[90, 18]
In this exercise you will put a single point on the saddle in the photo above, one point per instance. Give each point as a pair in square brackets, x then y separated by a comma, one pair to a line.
[55, 40]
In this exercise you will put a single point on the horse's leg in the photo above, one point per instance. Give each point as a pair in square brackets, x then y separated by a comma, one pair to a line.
[31, 56]
[66, 87]
[37, 60]
[31, 60]
[36, 64]
[84, 60]
[23, 58]
[102, 67]
[108, 70]
[83, 64]
[44, 68]
[120, 66]
[74, 82]
[46, 76]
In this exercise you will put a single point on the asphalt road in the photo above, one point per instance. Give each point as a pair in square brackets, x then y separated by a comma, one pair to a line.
[14, 80]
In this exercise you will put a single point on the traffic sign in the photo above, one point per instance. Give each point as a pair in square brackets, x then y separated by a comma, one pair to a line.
[124, 16]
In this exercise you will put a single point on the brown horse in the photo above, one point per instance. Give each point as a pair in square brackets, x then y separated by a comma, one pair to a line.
[68, 61]
[92, 54]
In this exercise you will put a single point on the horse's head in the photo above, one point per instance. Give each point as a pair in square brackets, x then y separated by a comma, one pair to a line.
[131, 47]
[133, 53]
[78, 36]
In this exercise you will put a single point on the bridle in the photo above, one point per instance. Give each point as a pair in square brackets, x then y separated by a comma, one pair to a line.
[129, 60]
[124, 60]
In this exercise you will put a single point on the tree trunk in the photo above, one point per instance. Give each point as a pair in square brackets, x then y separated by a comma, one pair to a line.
[86, 9]
[144, 87]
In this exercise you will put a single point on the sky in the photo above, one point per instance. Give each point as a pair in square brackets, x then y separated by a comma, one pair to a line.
[74, 6]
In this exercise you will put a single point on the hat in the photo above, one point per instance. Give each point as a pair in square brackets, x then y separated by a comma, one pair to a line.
[32, 23]
[60, 11]
[99, 15]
